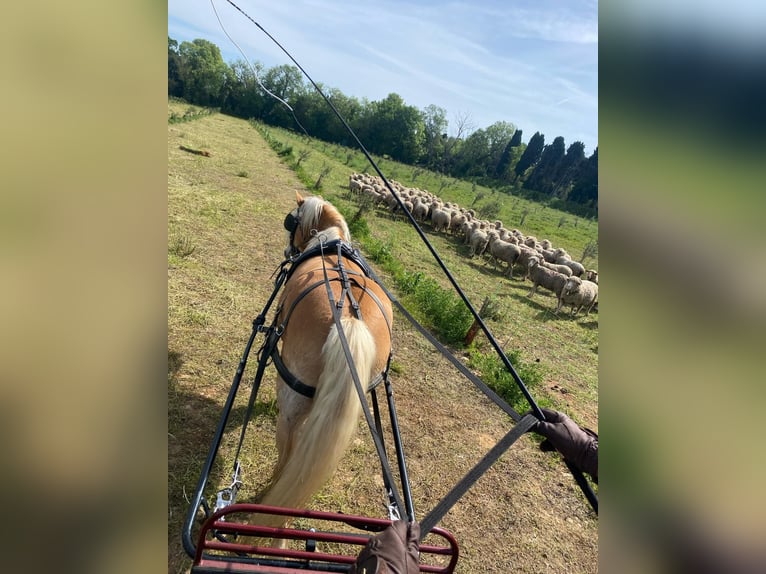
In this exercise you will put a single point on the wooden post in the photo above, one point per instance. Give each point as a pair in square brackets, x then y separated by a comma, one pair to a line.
[471, 335]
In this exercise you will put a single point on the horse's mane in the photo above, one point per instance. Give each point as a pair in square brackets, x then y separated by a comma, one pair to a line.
[318, 214]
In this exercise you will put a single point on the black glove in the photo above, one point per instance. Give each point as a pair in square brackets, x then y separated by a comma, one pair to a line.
[393, 551]
[576, 444]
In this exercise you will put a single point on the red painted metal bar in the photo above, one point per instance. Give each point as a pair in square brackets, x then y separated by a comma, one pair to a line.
[256, 558]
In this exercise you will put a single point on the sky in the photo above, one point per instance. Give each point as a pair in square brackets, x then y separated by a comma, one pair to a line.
[533, 63]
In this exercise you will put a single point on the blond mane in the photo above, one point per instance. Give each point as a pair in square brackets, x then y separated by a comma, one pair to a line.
[322, 222]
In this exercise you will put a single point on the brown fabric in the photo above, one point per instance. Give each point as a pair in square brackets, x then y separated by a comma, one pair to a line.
[393, 551]
[576, 444]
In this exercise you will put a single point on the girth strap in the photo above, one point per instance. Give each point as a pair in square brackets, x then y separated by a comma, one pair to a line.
[302, 388]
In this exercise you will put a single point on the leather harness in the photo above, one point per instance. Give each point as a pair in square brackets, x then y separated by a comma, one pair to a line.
[344, 250]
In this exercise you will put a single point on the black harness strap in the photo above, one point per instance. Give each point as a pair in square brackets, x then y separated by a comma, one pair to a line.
[344, 250]
[291, 380]
[394, 496]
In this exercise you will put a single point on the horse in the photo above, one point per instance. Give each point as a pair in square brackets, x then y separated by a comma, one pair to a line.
[313, 433]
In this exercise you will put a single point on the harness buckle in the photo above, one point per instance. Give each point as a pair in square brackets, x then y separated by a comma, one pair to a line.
[228, 495]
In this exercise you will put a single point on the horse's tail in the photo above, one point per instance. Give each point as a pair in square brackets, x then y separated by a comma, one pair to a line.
[332, 421]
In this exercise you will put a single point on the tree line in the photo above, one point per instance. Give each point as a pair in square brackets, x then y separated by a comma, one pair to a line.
[494, 156]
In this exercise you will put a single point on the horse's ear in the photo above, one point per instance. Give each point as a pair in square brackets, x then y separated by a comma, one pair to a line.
[299, 198]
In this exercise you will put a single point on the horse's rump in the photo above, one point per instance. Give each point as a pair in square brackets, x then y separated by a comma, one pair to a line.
[313, 434]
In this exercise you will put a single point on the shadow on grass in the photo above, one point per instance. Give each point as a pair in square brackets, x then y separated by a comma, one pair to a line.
[545, 306]
[192, 422]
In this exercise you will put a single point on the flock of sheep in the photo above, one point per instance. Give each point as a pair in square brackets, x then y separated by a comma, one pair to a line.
[538, 261]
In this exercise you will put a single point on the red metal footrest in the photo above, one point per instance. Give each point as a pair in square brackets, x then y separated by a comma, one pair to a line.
[336, 545]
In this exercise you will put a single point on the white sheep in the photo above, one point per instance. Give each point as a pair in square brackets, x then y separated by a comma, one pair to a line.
[563, 269]
[548, 278]
[440, 219]
[478, 242]
[591, 275]
[502, 251]
[577, 269]
[578, 294]
[523, 260]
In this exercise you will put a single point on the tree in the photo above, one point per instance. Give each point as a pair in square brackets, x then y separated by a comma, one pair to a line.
[175, 75]
[285, 82]
[472, 157]
[435, 125]
[568, 169]
[204, 74]
[244, 97]
[531, 154]
[504, 164]
[585, 189]
[543, 175]
[499, 135]
[394, 128]
[452, 143]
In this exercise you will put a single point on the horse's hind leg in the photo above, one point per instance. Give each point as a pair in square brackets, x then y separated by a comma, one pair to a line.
[293, 409]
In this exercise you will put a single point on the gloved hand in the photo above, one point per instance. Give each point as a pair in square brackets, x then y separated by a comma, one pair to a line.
[393, 551]
[576, 444]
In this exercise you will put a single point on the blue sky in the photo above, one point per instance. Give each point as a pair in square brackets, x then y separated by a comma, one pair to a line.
[533, 63]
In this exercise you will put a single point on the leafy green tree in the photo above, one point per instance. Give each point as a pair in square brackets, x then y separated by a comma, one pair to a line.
[244, 97]
[204, 72]
[435, 132]
[175, 76]
[473, 156]
[481, 151]
[285, 82]
[394, 128]
[531, 154]
[499, 136]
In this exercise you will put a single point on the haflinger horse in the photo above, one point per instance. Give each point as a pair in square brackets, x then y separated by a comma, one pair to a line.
[313, 433]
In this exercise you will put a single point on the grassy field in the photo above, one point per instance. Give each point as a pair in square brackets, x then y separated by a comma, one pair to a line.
[225, 238]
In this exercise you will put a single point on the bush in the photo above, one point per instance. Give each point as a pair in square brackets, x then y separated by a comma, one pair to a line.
[440, 309]
[493, 372]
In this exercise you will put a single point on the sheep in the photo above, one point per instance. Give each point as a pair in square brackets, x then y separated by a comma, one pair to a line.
[523, 260]
[503, 251]
[577, 269]
[456, 222]
[468, 231]
[578, 294]
[419, 209]
[591, 275]
[549, 255]
[563, 269]
[440, 219]
[548, 278]
[478, 242]
[561, 253]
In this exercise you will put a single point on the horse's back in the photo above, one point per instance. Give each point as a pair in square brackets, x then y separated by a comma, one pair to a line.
[311, 319]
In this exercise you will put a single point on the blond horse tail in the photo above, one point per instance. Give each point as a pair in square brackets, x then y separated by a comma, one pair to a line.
[332, 421]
